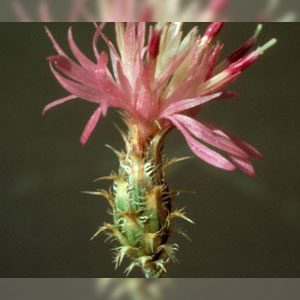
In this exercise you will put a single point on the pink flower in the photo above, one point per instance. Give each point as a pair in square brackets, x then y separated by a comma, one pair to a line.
[161, 84]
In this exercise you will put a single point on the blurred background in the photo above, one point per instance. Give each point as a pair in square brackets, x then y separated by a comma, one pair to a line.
[149, 10]
[244, 227]
[147, 289]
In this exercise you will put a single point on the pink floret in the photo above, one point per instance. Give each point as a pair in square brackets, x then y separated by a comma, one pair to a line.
[152, 91]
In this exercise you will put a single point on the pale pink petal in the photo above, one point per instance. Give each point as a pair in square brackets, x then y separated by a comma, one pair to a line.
[187, 104]
[199, 130]
[58, 102]
[81, 57]
[90, 126]
[202, 151]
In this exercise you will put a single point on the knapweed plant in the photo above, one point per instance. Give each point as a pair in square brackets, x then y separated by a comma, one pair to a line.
[160, 79]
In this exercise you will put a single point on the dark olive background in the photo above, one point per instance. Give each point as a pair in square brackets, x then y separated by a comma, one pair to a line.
[175, 289]
[244, 227]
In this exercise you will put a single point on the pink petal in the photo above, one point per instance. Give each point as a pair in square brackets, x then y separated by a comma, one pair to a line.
[58, 102]
[124, 81]
[187, 104]
[204, 133]
[141, 34]
[104, 108]
[183, 91]
[81, 57]
[55, 44]
[74, 71]
[77, 89]
[90, 126]
[213, 59]
[114, 60]
[94, 83]
[213, 29]
[242, 63]
[202, 151]
[241, 51]
[130, 41]
[98, 32]
[145, 98]
[250, 150]
[154, 44]
[244, 165]
[113, 52]
[102, 64]
[236, 55]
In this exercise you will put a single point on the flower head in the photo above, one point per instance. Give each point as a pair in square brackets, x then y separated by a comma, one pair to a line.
[161, 83]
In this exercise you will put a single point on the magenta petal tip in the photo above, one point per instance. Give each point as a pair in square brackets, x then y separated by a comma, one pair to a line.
[213, 29]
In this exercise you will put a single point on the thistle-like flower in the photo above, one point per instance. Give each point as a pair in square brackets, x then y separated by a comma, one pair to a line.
[158, 86]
